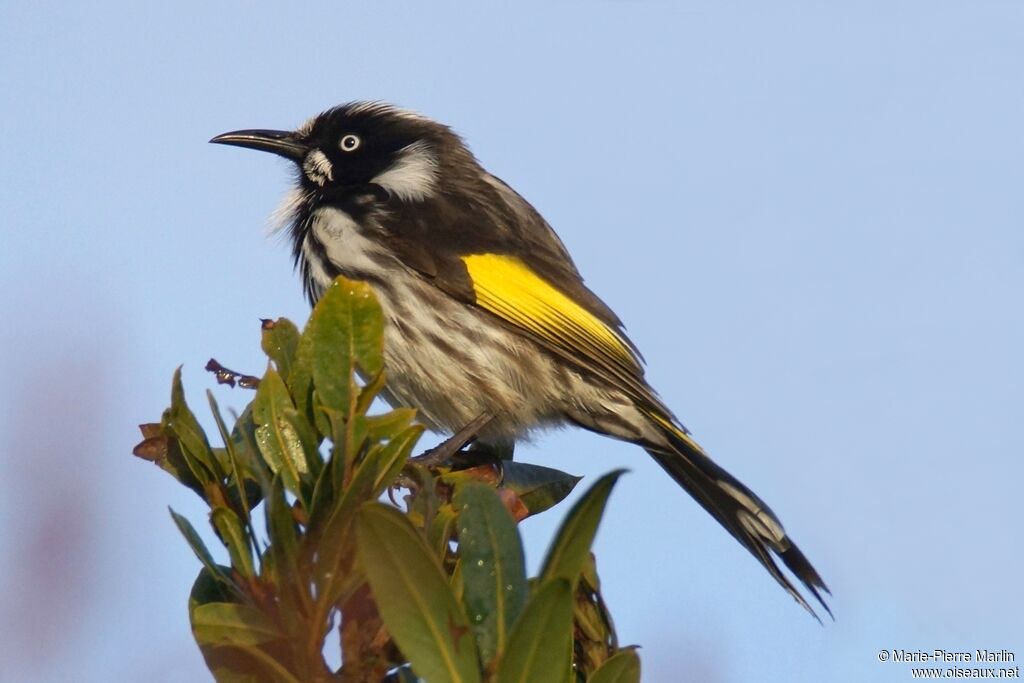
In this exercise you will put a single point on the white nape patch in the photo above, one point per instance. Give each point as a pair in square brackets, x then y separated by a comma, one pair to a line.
[346, 247]
[413, 176]
[287, 210]
[317, 167]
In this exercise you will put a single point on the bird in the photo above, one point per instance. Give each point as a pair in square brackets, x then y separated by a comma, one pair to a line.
[485, 312]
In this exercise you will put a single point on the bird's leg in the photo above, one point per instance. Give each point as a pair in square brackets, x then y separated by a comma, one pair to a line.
[485, 454]
[444, 451]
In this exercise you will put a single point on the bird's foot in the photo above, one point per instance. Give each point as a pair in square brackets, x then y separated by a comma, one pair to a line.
[445, 452]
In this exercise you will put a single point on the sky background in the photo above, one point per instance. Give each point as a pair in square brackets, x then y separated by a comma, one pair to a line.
[810, 217]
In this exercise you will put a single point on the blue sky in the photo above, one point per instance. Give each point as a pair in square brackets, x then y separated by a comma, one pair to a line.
[809, 217]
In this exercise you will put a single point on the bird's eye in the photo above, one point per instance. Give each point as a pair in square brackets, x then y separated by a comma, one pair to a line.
[350, 143]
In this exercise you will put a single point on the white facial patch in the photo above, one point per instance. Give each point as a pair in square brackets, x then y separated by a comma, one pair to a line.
[317, 167]
[413, 176]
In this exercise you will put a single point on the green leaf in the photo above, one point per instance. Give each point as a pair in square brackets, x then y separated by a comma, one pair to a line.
[281, 528]
[243, 443]
[380, 427]
[229, 623]
[255, 473]
[162, 449]
[349, 444]
[394, 454]
[236, 488]
[493, 569]
[181, 422]
[280, 339]
[300, 377]
[539, 488]
[347, 331]
[415, 601]
[328, 422]
[623, 667]
[369, 391]
[323, 499]
[231, 531]
[225, 663]
[378, 470]
[197, 545]
[441, 529]
[540, 646]
[571, 546]
[208, 587]
[283, 436]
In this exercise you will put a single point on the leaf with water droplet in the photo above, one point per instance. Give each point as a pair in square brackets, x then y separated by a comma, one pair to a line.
[539, 647]
[285, 438]
[493, 570]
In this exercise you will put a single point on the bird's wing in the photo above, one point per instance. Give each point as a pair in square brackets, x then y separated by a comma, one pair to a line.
[509, 263]
[511, 289]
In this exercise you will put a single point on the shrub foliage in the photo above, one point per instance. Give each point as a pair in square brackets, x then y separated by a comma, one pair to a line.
[433, 588]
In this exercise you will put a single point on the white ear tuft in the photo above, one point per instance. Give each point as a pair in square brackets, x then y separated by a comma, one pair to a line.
[413, 176]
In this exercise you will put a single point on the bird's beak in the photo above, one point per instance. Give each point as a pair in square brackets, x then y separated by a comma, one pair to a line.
[280, 142]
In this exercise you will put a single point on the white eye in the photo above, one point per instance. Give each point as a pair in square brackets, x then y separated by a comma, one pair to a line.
[350, 143]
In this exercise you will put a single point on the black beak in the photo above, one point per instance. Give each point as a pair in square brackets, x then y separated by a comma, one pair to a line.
[280, 142]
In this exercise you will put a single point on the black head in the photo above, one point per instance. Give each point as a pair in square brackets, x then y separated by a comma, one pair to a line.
[363, 146]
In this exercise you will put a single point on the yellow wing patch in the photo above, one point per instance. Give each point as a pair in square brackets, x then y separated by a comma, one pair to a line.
[507, 287]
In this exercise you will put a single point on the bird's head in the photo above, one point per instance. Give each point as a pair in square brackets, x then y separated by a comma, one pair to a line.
[363, 147]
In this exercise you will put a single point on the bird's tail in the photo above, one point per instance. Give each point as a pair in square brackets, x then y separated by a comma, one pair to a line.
[738, 509]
